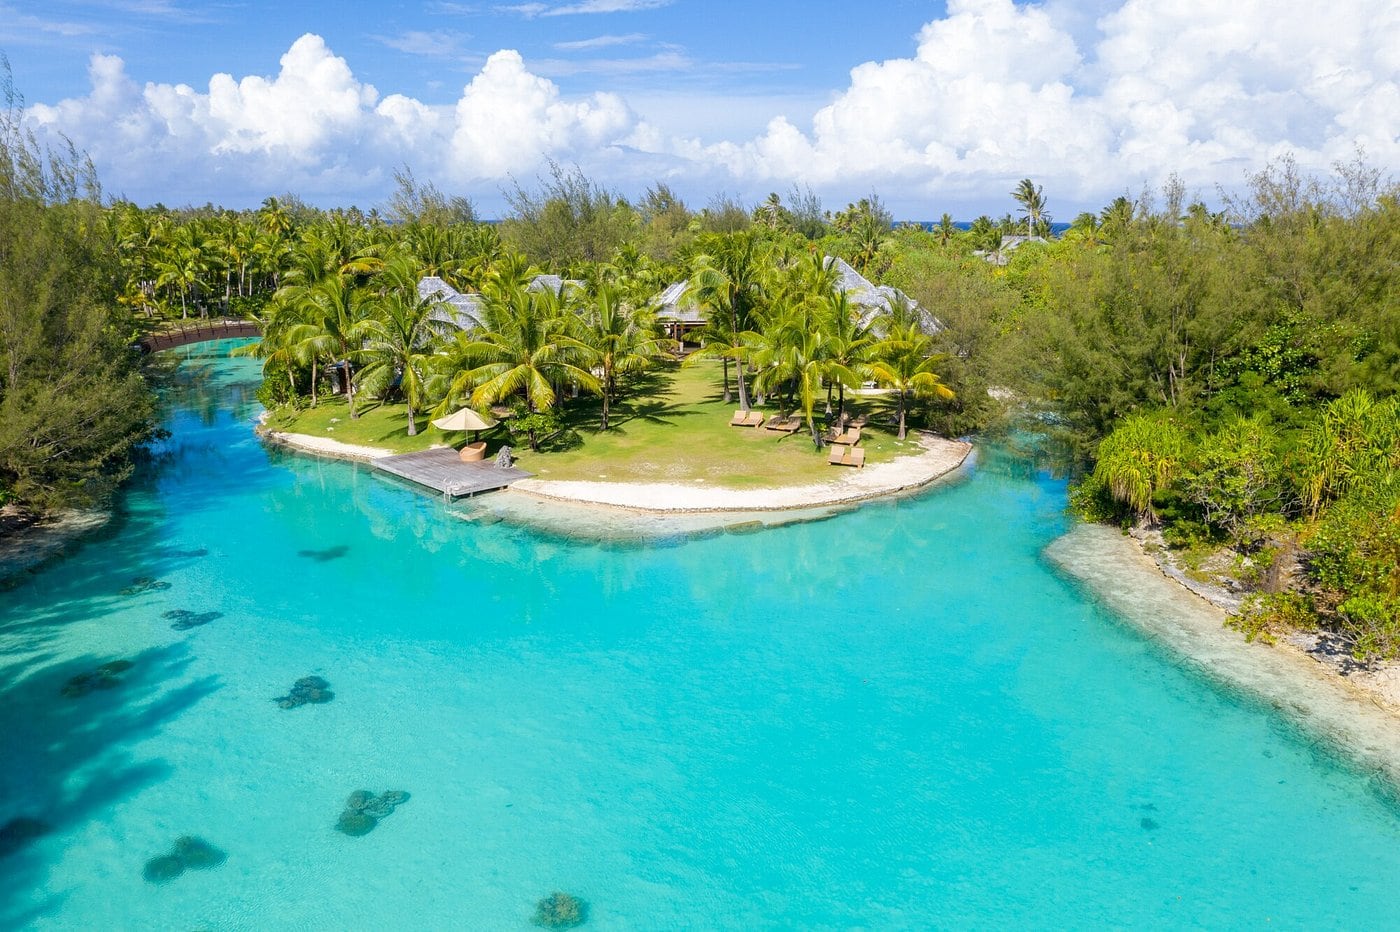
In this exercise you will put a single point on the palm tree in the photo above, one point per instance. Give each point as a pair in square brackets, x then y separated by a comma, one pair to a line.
[279, 346]
[623, 338]
[728, 283]
[526, 351]
[1143, 456]
[1031, 197]
[906, 363]
[945, 230]
[398, 340]
[183, 264]
[850, 346]
[332, 316]
[798, 353]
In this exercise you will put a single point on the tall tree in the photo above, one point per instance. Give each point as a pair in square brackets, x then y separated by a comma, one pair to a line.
[1031, 197]
[906, 362]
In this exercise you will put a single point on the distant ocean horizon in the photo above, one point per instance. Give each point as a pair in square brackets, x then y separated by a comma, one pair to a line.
[929, 225]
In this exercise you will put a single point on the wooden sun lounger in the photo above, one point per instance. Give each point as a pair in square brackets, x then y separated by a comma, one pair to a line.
[850, 437]
[750, 419]
[844, 455]
[784, 425]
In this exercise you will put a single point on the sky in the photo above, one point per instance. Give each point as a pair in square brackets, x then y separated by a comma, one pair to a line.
[937, 107]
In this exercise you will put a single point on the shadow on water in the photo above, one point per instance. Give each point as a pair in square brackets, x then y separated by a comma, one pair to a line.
[66, 756]
[66, 760]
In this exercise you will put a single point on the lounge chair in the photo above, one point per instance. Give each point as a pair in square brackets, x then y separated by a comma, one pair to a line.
[850, 437]
[784, 425]
[472, 452]
[746, 419]
[844, 455]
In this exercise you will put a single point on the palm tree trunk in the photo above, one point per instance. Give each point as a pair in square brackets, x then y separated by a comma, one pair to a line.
[412, 421]
[315, 365]
[727, 397]
[743, 388]
[901, 414]
[350, 388]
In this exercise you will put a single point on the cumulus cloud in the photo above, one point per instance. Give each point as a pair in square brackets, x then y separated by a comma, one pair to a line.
[1090, 97]
[316, 129]
[508, 117]
[996, 91]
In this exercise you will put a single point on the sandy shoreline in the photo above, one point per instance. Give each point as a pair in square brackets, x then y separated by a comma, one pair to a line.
[1350, 713]
[939, 458]
[847, 486]
[324, 446]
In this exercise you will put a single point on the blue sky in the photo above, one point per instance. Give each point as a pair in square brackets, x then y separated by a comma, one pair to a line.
[935, 107]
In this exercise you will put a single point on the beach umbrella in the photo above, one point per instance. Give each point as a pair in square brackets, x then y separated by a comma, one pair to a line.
[465, 419]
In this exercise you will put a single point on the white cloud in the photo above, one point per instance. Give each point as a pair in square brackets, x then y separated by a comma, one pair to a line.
[27, 29]
[586, 6]
[434, 44]
[509, 118]
[997, 91]
[1089, 98]
[316, 129]
[600, 42]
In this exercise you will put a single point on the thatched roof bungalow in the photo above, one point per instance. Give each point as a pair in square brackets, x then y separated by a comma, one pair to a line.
[682, 316]
[454, 309]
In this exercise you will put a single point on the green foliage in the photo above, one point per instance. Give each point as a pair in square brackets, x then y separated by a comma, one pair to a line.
[1352, 448]
[73, 403]
[531, 427]
[1091, 500]
[1262, 616]
[1356, 546]
[570, 219]
[1235, 475]
[1142, 457]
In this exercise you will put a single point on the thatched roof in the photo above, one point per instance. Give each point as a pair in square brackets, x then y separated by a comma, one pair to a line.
[454, 309]
[672, 307]
[873, 300]
[552, 283]
[869, 299]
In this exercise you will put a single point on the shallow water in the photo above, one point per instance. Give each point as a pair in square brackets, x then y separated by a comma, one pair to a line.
[900, 717]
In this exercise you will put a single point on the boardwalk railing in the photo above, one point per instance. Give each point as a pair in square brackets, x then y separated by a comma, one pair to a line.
[198, 332]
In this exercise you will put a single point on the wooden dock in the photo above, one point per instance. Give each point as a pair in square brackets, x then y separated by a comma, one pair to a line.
[443, 471]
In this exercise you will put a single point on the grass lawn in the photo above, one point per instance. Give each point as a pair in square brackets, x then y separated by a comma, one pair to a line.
[671, 427]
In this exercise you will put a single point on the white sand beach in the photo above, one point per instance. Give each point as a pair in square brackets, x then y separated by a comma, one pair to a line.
[847, 485]
[325, 446]
[939, 457]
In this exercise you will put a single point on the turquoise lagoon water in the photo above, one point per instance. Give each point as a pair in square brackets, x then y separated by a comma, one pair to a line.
[898, 718]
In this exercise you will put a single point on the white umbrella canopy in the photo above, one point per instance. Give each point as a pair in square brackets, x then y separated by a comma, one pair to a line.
[464, 419]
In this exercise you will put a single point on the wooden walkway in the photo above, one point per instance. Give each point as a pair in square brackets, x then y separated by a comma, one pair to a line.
[197, 332]
[443, 471]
